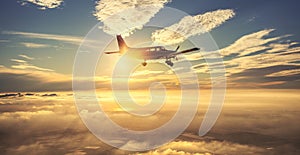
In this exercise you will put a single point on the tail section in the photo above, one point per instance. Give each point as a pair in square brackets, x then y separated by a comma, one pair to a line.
[122, 45]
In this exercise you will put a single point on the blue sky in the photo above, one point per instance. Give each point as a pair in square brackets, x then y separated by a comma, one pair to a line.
[75, 18]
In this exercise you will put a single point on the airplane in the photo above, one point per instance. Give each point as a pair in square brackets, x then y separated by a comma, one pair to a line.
[149, 53]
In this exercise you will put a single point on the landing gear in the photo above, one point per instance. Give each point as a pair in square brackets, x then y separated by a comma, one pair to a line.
[169, 62]
[144, 63]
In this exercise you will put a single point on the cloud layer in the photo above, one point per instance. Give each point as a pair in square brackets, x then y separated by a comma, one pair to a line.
[33, 123]
[205, 148]
[191, 25]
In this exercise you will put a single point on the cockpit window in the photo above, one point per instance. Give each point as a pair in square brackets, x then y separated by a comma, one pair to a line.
[155, 49]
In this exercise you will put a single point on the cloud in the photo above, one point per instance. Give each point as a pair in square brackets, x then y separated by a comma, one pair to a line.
[129, 15]
[254, 51]
[205, 148]
[285, 73]
[65, 38]
[26, 77]
[147, 73]
[34, 45]
[44, 4]
[251, 43]
[51, 125]
[252, 58]
[18, 60]
[45, 128]
[35, 74]
[10, 95]
[26, 57]
[29, 66]
[4, 41]
[190, 26]
[22, 64]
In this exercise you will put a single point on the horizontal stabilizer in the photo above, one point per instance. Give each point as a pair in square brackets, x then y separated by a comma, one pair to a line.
[185, 51]
[114, 52]
[189, 50]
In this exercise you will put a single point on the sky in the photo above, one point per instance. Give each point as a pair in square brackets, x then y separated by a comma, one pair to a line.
[42, 41]
[43, 37]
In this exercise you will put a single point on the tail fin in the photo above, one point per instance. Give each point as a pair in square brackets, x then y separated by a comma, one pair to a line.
[122, 45]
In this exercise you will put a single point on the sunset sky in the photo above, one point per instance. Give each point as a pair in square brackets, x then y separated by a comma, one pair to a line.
[257, 40]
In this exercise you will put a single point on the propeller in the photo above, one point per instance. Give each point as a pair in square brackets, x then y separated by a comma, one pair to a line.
[177, 48]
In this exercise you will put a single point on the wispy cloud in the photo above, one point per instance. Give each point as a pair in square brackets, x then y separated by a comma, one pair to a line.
[44, 4]
[65, 38]
[22, 64]
[147, 72]
[18, 60]
[254, 53]
[129, 15]
[27, 77]
[25, 65]
[285, 73]
[4, 41]
[251, 43]
[26, 57]
[34, 45]
[191, 25]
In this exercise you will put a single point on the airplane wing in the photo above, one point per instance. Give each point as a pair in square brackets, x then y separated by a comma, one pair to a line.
[114, 52]
[184, 51]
